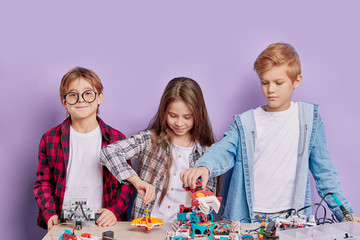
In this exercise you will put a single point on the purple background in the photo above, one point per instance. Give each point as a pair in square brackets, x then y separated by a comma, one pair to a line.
[137, 47]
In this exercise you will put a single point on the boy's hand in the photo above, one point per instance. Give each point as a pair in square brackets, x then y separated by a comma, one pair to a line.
[146, 190]
[190, 176]
[107, 218]
[356, 219]
[53, 220]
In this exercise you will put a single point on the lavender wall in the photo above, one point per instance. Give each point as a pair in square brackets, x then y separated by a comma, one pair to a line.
[137, 47]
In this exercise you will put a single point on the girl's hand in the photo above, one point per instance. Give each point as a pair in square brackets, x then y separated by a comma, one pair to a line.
[53, 220]
[146, 190]
[190, 176]
[107, 218]
[356, 219]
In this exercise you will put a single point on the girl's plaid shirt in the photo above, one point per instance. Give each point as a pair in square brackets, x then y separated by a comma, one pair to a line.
[50, 181]
[115, 156]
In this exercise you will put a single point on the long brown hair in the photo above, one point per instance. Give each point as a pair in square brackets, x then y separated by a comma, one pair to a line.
[188, 91]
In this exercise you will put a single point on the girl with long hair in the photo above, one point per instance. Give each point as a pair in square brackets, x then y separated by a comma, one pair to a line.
[177, 136]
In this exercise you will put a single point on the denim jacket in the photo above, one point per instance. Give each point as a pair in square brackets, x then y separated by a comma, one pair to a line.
[236, 150]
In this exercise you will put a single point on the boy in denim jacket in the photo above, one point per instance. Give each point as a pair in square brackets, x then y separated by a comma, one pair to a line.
[272, 147]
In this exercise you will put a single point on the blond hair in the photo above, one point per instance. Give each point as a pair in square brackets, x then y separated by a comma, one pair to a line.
[277, 54]
[77, 73]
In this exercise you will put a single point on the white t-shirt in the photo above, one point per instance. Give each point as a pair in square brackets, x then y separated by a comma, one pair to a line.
[276, 147]
[84, 171]
[176, 195]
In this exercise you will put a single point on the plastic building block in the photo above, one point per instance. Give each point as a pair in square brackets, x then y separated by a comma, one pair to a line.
[341, 230]
[86, 235]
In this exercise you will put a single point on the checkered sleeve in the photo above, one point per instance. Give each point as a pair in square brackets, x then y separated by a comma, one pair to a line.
[120, 202]
[114, 156]
[43, 185]
[211, 184]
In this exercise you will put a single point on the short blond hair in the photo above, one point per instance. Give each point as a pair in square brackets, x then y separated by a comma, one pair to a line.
[277, 54]
[83, 73]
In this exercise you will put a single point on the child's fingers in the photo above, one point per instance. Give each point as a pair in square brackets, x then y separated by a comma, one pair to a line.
[152, 195]
[107, 218]
[356, 219]
[192, 178]
[145, 198]
[100, 220]
[101, 210]
[204, 176]
[184, 176]
[205, 179]
[146, 195]
[194, 175]
[149, 194]
[191, 175]
[150, 198]
[107, 223]
[53, 221]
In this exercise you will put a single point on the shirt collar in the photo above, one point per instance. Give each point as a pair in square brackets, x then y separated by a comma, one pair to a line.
[105, 129]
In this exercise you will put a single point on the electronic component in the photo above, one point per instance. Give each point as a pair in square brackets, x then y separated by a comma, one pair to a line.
[346, 213]
[79, 212]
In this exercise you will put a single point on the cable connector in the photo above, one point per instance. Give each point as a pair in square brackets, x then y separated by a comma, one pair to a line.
[347, 215]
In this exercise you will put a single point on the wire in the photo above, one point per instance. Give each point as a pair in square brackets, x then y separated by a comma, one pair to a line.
[303, 208]
[59, 225]
[289, 211]
[71, 216]
[254, 230]
[220, 226]
[334, 219]
[322, 199]
[246, 219]
[317, 220]
[250, 219]
[82, 210]
[107, 237]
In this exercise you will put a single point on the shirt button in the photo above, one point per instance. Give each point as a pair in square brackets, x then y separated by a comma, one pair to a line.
[174, 174]
[169, 206]
[179, 156]
[172, 189]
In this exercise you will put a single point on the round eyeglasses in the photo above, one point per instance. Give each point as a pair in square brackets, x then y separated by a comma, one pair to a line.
[72, 97]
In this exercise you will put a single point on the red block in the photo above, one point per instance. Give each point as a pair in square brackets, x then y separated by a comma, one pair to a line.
[86, 235]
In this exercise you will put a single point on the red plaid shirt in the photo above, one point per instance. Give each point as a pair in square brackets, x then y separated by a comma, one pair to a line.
[50, 181]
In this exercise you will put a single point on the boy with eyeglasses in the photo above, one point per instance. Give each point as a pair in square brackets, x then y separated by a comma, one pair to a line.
[69, 157]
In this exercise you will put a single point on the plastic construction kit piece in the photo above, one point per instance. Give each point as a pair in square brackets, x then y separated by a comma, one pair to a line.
[68, 235]
[107, 235]
[79, 212]
[147, 221]
[194, 220]
[294, 221]
[86, 235]
[337, 231]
